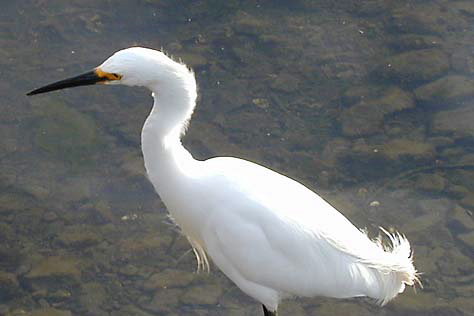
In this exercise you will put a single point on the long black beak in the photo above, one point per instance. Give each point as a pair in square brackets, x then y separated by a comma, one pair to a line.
[88, 78]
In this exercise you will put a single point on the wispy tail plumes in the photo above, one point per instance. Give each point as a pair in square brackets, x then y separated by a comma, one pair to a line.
[392, 268]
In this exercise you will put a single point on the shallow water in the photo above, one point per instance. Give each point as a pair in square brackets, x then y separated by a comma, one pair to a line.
[370, 103]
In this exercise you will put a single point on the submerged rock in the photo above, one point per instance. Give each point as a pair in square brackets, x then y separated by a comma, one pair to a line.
[38, 191]
[285, 82]
[465, 7]
[9, 286]
[398, 148]
[66, 133]
[367, 117]
[14, 202]
[446, 90]
[78, 236]
[462, 61]
[168, 278]
[293, 308]
[261, 103]
[10, 258]
[468, 201]
[132, 271]
[425, 18]
[415, 41]
[422, 223]
[50, 216]
[4, 309]
[59, 295]
[343, 308]
[356, 94]
[457, 191]
[129, 310]
[467, 239]
[202, 294]
[193, 60]
[142, 247]
[395, 99]
[49, 311]
[245, 23]
[460, 220]
[431, 183]
[415, 66]
[458, 121]
[361, 120]
[411, 301]
[454, 263]
[335, 149]
[163, 300]
[54, 266]
[76, 188]
[93, 296]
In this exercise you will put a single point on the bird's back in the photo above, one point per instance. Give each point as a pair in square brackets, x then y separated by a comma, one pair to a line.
[275, 232]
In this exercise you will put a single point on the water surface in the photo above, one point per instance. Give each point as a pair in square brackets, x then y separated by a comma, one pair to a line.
[370, 103]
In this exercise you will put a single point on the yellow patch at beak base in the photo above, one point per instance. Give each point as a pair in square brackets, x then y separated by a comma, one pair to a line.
[107, 75]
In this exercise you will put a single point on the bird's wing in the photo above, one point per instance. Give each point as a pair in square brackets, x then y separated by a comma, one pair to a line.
[273, 230]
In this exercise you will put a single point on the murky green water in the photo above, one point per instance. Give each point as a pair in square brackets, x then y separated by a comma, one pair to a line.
[371, 103]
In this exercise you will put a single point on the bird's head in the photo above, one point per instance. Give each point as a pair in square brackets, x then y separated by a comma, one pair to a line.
[135, 66]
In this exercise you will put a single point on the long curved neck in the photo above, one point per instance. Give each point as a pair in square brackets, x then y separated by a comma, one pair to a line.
[165, 157]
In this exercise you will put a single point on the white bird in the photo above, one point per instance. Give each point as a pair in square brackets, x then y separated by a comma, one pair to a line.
[272, 236]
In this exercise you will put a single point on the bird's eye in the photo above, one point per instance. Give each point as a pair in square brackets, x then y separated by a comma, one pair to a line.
[116, 76]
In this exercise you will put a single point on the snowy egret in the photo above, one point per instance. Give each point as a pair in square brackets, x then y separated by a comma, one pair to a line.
[272, 236]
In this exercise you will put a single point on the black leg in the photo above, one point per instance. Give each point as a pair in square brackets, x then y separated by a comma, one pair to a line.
[268, 313]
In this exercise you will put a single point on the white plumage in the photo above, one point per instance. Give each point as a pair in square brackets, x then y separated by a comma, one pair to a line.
[269, 234]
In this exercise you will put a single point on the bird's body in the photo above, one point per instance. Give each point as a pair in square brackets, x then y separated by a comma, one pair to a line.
[269, 234]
